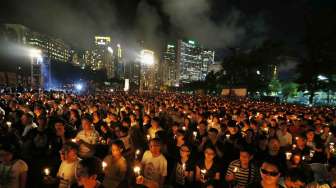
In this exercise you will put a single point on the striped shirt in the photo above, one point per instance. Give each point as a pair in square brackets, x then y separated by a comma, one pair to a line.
[243, 176]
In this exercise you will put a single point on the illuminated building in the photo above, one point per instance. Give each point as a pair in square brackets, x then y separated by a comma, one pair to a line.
[185, 62]
[54, 48]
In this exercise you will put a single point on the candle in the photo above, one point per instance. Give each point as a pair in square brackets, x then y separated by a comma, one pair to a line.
[73, 140]
[195, 134]
[227, 136]
[184, 128]
[235, 169]
[148, 137]
[184, 166]
[294, 146]
[104, 165]
[303, 158]
[46, 171]
[297, 138]
[9, 124]
[203, 174]
[288, 155]
[330, 133]
[137, 170]
[311, 153]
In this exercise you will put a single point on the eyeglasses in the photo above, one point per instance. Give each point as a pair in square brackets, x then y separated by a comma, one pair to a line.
[266, 172]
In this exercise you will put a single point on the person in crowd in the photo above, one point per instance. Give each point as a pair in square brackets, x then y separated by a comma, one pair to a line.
[154, 165]
[270, 176]
[242, 172]
[70, 160]
[183, 171]
[87, 138]
[13, 171]
[116, 166]
[88, 172]
[207, 169]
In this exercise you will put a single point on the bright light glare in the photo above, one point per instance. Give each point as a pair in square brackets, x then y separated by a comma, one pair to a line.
[147, 57]
[321, 77]
[258, 72]
[79, 87]
[110, 49]
[35, 53]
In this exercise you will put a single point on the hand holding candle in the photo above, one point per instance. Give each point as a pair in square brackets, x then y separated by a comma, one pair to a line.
[137, 170]
[46, 171]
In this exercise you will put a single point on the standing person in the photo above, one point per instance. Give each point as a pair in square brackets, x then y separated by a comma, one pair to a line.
[70, 160]
[154, 165]
[87, 138]
[241, 172]
[87, 172]
[116, 166]
[155, 127]
[183, 171]
[207, 169]
[270, 176]
[13, 171]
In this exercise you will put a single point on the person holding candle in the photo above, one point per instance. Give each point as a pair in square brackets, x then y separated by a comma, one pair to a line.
[13, 170]
[242, 172]
[155, 126]
[116, 166]
[207, 168]
[66, 171]
[183, 170]
[154, 166]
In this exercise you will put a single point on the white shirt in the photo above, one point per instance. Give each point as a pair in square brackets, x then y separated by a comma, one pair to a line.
[285, 140]
[155, 167]
[15, 170]
[66, 173]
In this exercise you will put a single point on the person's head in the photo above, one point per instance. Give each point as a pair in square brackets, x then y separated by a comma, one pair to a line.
[245, 155]
[96, 116]
[274, 145]
[155, 147]
[69, 151]
[185, 151]
[209, 153]
[212, 134]
[7, 153]
[146, 119]
[232, 127]
[310, 135]
[297, 158]
[269, 172]
[88, 170]
[180, 136]
[155, 122]
[202, 126]
[59, 127]
[87, 122]
[26, 119]
[294, 178]
[42, 122]
[123, 131]
[301, 141]
[117, 148]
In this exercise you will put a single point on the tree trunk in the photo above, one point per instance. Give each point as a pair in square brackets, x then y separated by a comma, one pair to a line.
[311, 97]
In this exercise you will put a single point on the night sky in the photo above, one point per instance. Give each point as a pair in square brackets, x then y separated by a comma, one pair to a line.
[215, 23]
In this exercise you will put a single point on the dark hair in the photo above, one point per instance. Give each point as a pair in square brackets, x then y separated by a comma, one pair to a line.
[87, 117]
[296, 174]
[72, 146]
[120, 144]
[271, 161]
[93, 165]
[213, 130]
[247, 148]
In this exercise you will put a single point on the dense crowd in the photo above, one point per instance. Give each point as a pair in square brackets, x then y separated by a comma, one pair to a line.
[57, 139]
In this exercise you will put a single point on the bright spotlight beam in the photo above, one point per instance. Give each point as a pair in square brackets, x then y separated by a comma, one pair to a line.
[147, 57]
[35, 53]
[79, 87]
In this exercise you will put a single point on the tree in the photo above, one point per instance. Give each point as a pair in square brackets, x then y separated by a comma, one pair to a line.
[319, 56]
[274, 86]
[289, 90]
